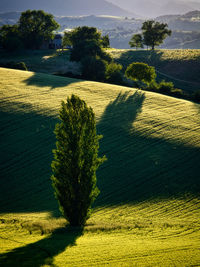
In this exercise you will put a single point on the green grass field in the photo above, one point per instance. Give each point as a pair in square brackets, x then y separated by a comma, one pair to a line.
[181, 66]
[149, 208]
[47, 61]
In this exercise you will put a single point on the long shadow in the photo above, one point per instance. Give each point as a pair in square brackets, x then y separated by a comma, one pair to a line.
[27, 140]
[140, 167]
[42, 252]
[52, 81]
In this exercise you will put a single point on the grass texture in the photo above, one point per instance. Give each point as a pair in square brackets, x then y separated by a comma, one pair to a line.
[148, 211]
[180, 66]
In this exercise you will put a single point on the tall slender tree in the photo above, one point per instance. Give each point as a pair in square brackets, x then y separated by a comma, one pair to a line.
[76, 161]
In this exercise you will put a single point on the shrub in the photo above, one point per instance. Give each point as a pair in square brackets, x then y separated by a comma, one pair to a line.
[141, 72]
[113, 73]
[153, 86]
[76, 161]
[165, 87]
[196, 96]
[177, 92]
[14, 65]
[93, 68]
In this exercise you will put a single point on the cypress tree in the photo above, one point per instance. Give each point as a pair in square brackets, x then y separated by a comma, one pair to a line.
[76, 160]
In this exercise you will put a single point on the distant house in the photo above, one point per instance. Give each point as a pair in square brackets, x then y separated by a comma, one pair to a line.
[56, 43]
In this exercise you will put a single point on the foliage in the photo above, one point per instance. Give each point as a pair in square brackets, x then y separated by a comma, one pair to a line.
[10, 38]
[154, 33]
[165, 87]
[93, 68]
[14, 65]
[66, 41]
[197, 96]
[113, 73]
[105, 41]
[136, 41]
[36, 27]
[76, 160]
[86, 41]
[142, 72]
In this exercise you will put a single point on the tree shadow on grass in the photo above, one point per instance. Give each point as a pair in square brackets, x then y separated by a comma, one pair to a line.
[43, 251]
[140, 166]
[52, 81]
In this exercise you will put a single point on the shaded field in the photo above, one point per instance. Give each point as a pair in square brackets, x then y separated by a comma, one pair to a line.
[47, 61]
[181, 66]
[148, 210]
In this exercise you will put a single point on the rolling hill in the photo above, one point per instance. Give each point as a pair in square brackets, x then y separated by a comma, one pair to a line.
[154, 8]
[148, 211]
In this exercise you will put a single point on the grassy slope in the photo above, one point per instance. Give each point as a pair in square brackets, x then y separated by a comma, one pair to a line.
[148, 210]
[182, 67]
[47, 61]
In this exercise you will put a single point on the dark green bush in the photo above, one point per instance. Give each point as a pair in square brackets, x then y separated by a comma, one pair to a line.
[14, 65]
[153, 86]
[93, 68]
[177, 92]
[113, 73]
[196, 96]
[165, 87]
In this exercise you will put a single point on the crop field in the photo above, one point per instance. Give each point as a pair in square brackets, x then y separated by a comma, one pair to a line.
[182, 67]
[148, 211]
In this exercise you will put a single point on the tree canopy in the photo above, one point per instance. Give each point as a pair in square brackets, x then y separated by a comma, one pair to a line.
[136, 41]
[76, 160]
[154, 33]
[10, 38]
[35, 27]
[85, 41]
[139, 71]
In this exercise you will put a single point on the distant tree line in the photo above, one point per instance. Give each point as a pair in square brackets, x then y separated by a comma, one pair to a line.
[32, 30]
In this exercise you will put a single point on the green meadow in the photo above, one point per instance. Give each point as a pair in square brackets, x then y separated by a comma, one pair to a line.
[148, 211]
[180, 66]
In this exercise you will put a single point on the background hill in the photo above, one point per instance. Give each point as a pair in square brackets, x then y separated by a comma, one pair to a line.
[185, 28]
[154, 8]
[66, 7]
[148, 209]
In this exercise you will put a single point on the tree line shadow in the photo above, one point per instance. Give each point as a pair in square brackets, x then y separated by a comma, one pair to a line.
[52, 81]
[42, 252]
[141, 167]
[138, 168]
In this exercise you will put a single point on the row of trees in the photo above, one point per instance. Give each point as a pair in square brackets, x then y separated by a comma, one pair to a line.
[153, 34]
[32, 30]
[88, 48]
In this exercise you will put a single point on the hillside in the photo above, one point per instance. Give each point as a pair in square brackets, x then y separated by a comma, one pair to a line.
[148, 211]
[182, 67]
[66, 7]
[153, 8]
[171, 65]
